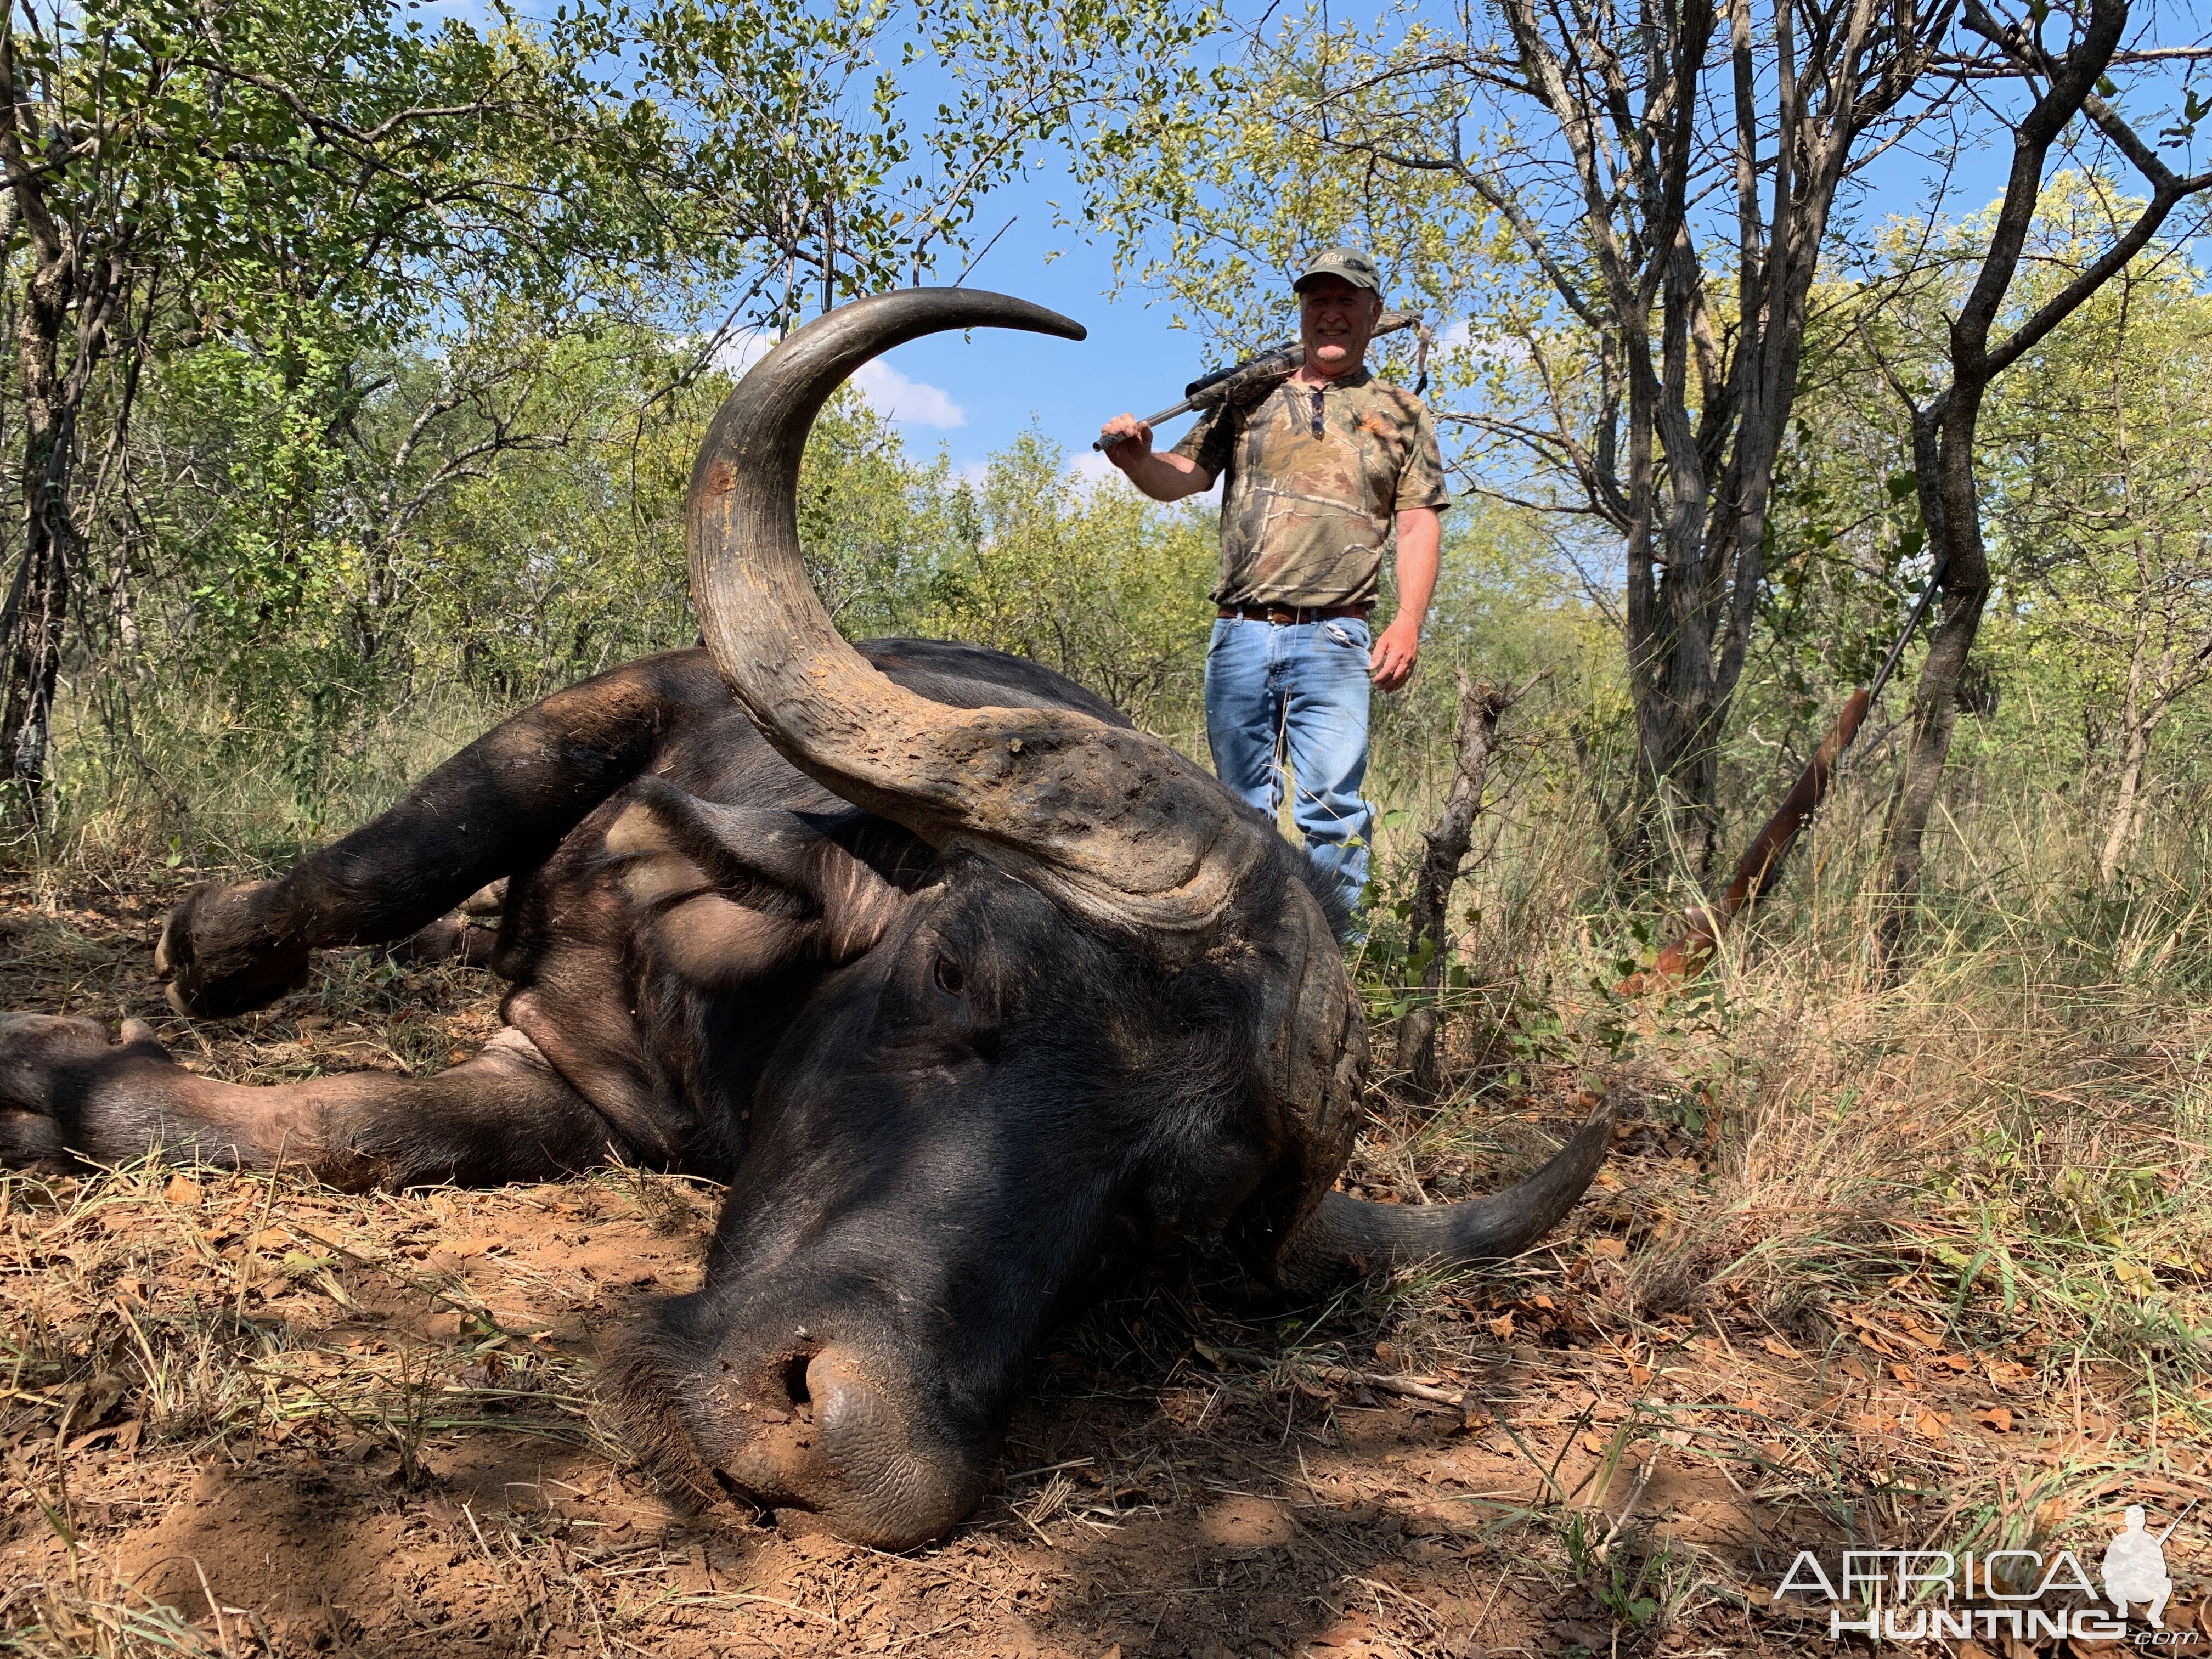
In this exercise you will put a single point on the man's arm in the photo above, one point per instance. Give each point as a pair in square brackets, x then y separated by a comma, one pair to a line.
[1420, 543]
[1164, 477]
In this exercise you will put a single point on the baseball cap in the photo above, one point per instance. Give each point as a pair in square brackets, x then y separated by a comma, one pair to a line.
[1347, 263]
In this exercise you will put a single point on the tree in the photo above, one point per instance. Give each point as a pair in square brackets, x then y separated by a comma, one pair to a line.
[1560, 171]
[1981, 339]
[308, 187]
[264, 174]
[2102, 491]
[1099, 583]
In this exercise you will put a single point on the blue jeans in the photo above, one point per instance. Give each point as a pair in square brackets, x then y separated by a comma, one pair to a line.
[1295, 697]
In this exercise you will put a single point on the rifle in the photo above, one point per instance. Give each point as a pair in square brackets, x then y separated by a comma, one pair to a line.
[2176, 1521]
[1255, 377]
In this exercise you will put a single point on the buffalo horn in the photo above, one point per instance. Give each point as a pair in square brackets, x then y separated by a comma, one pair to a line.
[1343, 1237]
[1113, 824]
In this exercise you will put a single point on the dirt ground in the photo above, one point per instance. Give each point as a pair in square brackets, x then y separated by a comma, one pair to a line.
[247, 1416]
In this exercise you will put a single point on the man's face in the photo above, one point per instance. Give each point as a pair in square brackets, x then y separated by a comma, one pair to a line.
[1335, 321]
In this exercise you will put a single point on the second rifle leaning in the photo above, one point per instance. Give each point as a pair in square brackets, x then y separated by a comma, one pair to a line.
[1253, 379]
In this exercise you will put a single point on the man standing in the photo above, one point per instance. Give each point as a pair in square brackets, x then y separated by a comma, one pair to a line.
[1321, 472]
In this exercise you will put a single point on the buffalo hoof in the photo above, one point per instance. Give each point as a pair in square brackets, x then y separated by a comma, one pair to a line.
[452, 937]
[223, 952]
[54, 1072]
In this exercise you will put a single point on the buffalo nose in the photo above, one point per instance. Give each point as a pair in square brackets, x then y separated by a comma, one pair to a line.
[859, 1453]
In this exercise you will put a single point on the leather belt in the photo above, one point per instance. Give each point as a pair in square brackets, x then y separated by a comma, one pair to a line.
[1292, 615]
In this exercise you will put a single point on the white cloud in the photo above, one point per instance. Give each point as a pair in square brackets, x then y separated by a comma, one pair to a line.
[1459, 334]
[1091, 465]
[891, 394]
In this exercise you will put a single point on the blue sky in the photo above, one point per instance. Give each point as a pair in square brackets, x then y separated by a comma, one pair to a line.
[973, 396]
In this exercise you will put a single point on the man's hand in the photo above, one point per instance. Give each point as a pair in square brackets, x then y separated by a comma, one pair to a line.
[1136, 445]
[1391, 662]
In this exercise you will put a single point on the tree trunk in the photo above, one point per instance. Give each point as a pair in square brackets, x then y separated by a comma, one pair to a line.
[1944, 429]
[2137, 719]
[61, 291]
[38, 597]
[2123, 829]
[1474, 741]
[1950, 507]
[67, 292]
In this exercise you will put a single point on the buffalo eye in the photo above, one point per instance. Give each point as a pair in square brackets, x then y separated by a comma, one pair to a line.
[950, 980]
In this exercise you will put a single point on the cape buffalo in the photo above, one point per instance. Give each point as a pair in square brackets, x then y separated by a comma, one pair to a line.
[967, 989]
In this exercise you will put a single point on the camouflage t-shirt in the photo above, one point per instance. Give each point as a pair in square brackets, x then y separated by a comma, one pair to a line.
[1316, 478]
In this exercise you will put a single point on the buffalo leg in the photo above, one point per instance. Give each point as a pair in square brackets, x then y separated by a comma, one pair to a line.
[454, 938]
[499, 806]
[469, 936]
[66, 1089]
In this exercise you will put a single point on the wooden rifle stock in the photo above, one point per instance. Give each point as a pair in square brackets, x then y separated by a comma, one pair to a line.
[1691, 949]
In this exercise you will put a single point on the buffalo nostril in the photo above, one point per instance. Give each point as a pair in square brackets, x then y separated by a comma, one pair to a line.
[795, 1389]
[737, 1493]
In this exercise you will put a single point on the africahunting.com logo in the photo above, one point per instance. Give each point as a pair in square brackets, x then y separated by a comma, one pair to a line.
[1937, 1596]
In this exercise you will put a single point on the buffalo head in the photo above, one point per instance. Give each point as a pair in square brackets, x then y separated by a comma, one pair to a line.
[1079, 1003]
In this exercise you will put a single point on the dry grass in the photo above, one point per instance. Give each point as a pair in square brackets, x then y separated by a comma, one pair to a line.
[1913, 1264]
[1976, 1202]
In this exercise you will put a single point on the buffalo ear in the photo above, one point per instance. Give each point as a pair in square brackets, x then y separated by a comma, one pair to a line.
[728, 892]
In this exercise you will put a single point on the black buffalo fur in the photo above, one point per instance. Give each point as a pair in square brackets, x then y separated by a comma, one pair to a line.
[943, 1107]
